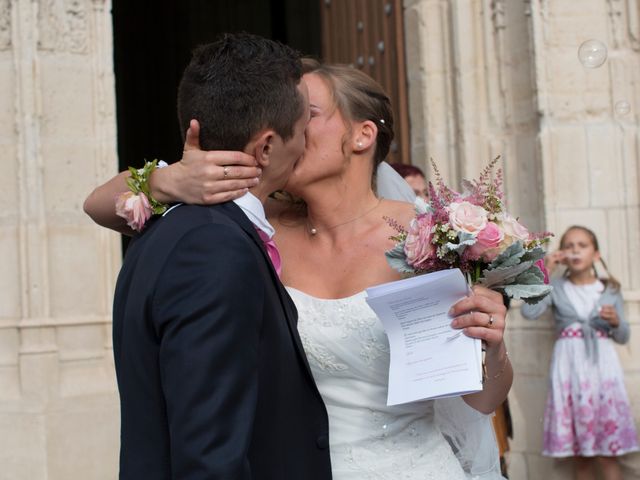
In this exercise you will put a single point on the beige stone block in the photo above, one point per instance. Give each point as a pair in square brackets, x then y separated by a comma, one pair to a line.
[39, 376]
[83, 440]
[524, 180]
[548, 468]
[575, 92]
[517, 465]
[9, 346]
[530, 350]
[630, 466]
[67, 98]
[632, 222]
[87, 377]
[614, 246]
[10, 278]
[571, 23]
[568, 168]
[595, 219]
[22, 446]
[70, 173]
[526, 401]
[79, 342]
[76, 269]
[7, 100]
[9, 383]
[606, 166]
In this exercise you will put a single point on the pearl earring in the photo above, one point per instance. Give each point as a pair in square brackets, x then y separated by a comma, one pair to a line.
[359, 144]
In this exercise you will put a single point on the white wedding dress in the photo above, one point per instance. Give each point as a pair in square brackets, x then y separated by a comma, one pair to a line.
[349, 356]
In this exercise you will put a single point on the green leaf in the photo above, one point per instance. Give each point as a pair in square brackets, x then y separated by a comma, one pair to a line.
[528, 293]
[397, 259]
[465, 240]
[534, 254]
[501, 276]
[533, 276]
[510, 257]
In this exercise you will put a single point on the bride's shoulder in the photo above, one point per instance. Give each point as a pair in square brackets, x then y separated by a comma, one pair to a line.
[401, 212]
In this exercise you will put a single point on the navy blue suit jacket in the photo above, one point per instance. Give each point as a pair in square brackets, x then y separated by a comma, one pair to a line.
[214, 382]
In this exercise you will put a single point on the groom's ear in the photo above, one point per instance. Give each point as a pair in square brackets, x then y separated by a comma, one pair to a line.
[263, 147]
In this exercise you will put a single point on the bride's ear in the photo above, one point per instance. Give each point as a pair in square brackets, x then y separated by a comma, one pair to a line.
[364, 136]
[263, 147]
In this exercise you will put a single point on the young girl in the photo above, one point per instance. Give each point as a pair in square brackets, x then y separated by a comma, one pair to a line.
[587, 414]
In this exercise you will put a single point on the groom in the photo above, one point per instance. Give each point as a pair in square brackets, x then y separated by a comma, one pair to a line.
[213, 380]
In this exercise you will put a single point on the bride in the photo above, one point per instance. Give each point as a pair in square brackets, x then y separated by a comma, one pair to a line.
[332, 249]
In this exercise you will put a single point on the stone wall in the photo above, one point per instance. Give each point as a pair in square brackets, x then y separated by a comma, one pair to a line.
[58, 401]
[502, 77]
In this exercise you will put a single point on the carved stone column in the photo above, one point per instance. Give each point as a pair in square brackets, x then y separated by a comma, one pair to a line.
[58, 403]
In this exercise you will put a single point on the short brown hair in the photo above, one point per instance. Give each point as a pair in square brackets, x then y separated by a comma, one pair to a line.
[237, 86]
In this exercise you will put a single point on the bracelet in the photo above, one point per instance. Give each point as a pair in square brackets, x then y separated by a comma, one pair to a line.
[485, 377]
[137, 205]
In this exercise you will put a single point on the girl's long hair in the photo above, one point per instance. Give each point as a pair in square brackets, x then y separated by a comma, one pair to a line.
[610, 281]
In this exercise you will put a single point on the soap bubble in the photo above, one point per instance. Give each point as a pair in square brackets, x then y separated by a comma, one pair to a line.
[622, 107]
[592, 53]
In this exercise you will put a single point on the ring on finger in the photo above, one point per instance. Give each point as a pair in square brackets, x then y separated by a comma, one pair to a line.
[225, 172]
[491, 321]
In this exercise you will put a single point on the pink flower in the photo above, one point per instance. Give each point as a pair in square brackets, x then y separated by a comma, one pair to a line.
[418, 247]
[513, 230]
[487, 243]
[467, 217]
[135, 209]
[543, 269]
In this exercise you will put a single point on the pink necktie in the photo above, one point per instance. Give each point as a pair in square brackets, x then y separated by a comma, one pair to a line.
[272, 250]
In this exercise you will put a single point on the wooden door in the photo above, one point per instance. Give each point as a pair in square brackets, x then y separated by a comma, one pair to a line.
[369, 35]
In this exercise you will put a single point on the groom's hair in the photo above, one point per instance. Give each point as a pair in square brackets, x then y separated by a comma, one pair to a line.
[237, 86]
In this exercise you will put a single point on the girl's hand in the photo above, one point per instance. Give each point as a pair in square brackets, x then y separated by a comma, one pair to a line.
[204, 177]
[481, 315]
[552, 260]
[609, 313]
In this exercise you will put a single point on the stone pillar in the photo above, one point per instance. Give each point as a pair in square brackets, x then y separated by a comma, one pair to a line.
[58, 400]
[502, 77]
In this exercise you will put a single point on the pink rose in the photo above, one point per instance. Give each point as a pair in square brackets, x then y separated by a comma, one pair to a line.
[513, 230]
[467, 217]
[543, 269]
[135, 209]
[487, 243]
[418, 247]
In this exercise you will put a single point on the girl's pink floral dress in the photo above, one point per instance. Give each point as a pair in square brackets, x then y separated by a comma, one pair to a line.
[587, 412]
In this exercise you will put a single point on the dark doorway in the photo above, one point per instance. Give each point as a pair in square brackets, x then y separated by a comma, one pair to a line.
[153, 40]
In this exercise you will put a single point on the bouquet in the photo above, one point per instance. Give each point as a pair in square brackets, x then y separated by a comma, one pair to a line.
[473, 231]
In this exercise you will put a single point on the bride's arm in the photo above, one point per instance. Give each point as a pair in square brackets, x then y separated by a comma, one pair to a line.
[198, 178]
[482, 315]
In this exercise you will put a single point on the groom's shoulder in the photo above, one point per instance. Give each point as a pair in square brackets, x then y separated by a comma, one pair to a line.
[181, 222]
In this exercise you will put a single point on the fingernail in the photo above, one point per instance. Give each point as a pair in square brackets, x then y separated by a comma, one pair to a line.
[259, 171]
[256, 181]
[455, 323]
[450, 312]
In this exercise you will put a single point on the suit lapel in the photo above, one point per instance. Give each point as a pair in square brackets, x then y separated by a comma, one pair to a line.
[236, 214]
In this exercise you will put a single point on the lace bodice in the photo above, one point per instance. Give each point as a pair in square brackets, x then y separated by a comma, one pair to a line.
[349, 356]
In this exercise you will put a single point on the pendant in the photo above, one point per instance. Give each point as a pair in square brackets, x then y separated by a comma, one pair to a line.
[313, 231]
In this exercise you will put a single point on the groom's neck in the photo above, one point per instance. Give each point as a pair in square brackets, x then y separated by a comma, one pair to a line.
[263, 190]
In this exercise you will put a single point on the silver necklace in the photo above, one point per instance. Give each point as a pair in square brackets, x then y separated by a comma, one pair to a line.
[314, 231]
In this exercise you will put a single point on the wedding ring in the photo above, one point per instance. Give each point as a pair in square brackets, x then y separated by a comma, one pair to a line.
[225, 171]
[490, 324]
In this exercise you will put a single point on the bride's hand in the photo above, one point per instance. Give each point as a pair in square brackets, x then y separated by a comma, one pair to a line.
[481, 315]
[202, 177]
